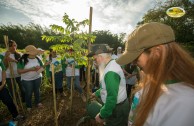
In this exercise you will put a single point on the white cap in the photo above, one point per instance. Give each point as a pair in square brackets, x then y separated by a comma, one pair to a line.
[40, 49]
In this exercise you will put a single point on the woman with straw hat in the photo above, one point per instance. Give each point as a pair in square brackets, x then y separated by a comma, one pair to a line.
[30, 68]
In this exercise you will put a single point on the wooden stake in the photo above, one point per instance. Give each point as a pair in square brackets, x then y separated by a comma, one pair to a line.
[54, 94]
[17, 94]
[72, 87]
[89, 45]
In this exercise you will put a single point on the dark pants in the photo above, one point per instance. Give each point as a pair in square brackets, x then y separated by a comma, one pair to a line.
[58, 81]
[6, 98]
[119, 116]
[95, 75]
[129, 87]
[18, 80]
[82, 73]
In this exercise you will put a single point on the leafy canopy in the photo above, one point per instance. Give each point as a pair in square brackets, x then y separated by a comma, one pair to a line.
[72, 40]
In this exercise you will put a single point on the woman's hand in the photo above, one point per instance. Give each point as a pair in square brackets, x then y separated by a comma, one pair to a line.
[36, 68]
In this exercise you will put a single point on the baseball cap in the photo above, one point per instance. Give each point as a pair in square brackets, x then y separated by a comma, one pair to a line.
[144, 37]
[98, 49]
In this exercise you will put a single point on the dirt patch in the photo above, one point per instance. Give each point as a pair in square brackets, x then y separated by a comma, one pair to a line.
[67, 116]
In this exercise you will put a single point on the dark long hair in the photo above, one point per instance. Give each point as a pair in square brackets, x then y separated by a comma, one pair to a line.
[17, 56]
[24, 59]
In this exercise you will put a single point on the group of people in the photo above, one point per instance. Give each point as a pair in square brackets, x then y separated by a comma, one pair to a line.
[25, 71]
[166, 95]
[67, 67]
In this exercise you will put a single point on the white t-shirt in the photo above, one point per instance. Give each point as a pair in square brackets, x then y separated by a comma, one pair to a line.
[14, 66]
[31, 75]
[69, 69]
[57, 64]
[175, 107]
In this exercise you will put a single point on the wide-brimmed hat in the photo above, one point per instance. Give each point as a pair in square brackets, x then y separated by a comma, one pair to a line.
[32, 50]
[98, 49]
[144, 37]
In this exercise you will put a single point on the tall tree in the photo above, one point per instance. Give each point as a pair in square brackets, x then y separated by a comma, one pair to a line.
[25, 35]
[106, 37]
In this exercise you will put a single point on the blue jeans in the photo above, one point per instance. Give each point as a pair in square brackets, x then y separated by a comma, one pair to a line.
[18, 81]
[32, 86]
[76, 84]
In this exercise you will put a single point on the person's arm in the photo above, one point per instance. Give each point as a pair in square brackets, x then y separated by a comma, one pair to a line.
[3, 76]
[112, 81]
[48, 70]
[21, 70]
[7, 58]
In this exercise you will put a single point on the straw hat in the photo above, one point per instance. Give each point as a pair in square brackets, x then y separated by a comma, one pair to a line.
[32, 50]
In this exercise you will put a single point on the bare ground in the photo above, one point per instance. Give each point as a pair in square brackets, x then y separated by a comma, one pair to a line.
[67, 115]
